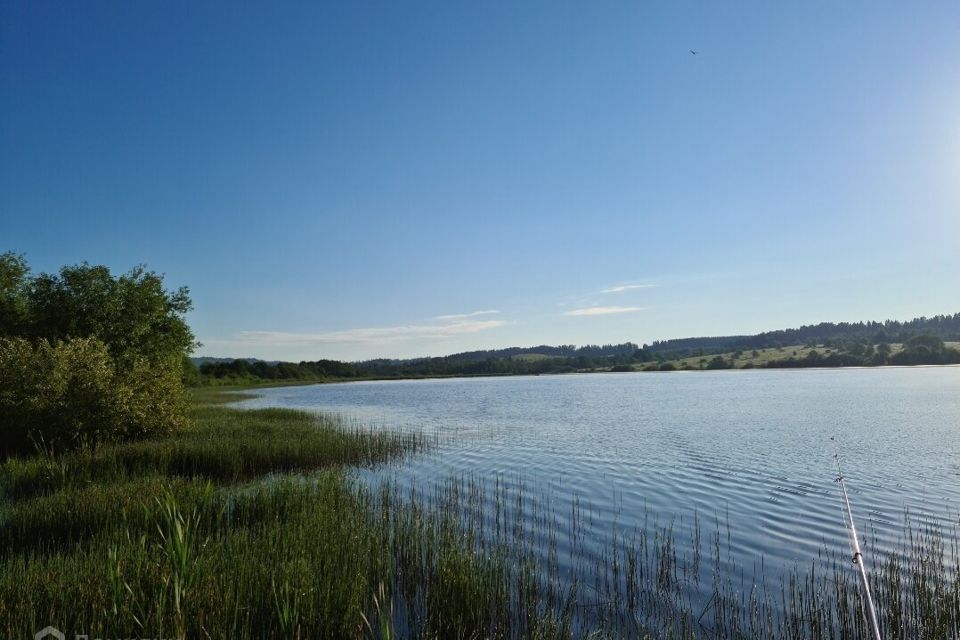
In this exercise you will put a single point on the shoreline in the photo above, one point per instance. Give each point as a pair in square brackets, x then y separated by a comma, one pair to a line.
[252, 385]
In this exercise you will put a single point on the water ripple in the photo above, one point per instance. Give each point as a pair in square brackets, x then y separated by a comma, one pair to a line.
[750, 454]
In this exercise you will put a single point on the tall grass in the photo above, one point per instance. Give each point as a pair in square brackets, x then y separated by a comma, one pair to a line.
[223, 445]
[251, 525]
[553, 580]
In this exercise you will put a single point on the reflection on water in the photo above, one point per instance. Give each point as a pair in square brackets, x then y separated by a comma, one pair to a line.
[745, 451]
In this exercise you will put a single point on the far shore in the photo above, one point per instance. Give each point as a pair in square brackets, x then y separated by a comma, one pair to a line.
[251, 385]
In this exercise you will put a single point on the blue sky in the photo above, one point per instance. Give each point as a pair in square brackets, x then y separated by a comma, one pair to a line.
[361, 179]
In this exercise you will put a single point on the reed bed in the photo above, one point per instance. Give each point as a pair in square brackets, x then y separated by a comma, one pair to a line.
[658, 581]
[252, 525]
[223, 446]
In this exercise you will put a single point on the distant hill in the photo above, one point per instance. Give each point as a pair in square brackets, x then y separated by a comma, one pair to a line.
[529, 353]
[202, 360]
[922, 341]
[945, 327]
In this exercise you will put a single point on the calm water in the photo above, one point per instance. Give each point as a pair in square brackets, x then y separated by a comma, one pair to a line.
[748, 448]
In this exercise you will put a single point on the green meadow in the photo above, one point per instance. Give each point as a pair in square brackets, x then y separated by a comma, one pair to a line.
[751, 358]
[759, 358]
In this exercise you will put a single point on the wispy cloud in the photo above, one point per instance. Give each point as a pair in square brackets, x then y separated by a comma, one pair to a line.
[601, 311]
[464, 316]
[372, 335]
[627, 287]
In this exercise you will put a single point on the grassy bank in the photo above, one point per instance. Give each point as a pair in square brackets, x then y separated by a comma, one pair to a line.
[181, 536]
[251, 525]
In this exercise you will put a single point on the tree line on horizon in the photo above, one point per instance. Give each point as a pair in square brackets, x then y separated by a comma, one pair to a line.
[850, 344]
[829, 334]
[517, 362]
[921, 349]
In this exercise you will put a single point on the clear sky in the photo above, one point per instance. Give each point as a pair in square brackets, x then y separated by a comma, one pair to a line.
[357, 179]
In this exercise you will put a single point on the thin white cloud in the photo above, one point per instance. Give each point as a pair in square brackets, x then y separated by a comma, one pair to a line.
[628, 287]
[464, 316]
[601, 311]
[373, 335]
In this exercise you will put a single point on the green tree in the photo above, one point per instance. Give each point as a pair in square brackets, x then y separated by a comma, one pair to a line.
[133, 314]
[13, 293]
[190, 373]
[87, 357]
[927, 341]
[926, 349]
[718, 362]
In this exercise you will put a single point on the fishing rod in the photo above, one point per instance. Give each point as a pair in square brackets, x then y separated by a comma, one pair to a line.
[869, 611]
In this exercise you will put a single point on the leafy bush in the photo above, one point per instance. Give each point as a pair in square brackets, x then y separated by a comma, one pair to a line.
[718, 362]
[68, 394]
[925, 349]
[87, 357]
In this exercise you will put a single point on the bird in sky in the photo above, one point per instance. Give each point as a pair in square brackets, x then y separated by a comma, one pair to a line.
[694, 52]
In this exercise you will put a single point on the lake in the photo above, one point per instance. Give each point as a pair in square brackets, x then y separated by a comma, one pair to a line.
[747, 452]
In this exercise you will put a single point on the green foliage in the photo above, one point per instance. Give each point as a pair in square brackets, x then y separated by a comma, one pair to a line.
[13, 289]
[190, 373]
[130, 542]
[918, 350]
[68, 394]
[828, 334]
[87, 357]
[925, 349]
[719, 362]
[132, 314]
[221, 445]
[241, 371]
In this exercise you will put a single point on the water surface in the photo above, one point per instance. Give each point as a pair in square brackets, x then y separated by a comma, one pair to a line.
[751, 452]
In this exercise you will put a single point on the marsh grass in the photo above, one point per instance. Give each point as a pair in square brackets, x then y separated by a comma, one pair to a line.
[663, 582]
[223, 445]
[251, 525]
